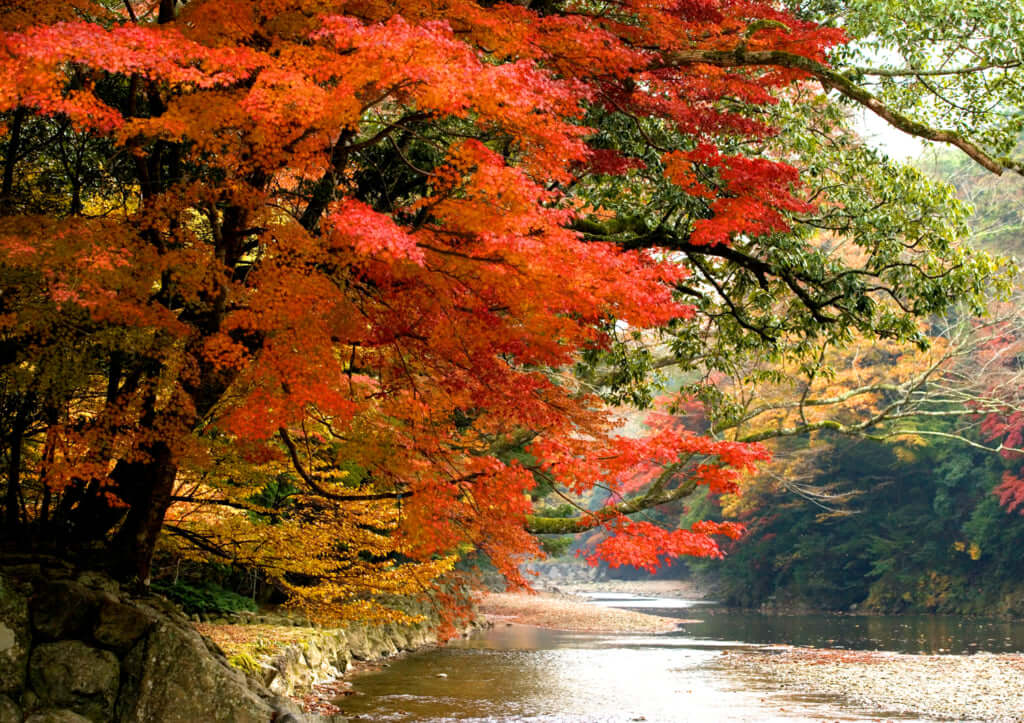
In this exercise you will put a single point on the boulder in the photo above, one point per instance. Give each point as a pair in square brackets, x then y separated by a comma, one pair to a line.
[313, 654]
[9, 712]
[170, 676]
[69, 674]
[335, 650]
[99, 581]
[56, 716]
[403, 636]
[338, 651]
[63, 609]
[420, 636]
[290, 673]
[381, 644]
[119, 626]
[15, 636]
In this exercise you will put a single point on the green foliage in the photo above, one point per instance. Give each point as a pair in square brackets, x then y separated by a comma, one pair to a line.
[556, 545]
[949, 63]
[926, 535]
[998, 201]
[884, 233]
[205, 597]
[562, 510]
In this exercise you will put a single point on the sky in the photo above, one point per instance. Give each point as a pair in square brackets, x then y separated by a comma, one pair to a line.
[879, 134]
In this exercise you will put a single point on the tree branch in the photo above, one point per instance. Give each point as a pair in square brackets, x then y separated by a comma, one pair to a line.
[834, 80]
[293, 453]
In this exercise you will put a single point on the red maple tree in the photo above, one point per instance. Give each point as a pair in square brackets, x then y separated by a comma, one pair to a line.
[340, 240]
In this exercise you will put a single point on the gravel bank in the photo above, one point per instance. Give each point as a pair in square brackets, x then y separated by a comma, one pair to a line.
[981, 687]
[563, 612]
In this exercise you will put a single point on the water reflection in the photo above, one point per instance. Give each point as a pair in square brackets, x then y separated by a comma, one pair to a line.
[928, 634]
[518, 673]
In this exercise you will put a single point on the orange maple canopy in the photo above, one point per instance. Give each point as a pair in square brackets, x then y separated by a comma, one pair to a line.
[333, 250]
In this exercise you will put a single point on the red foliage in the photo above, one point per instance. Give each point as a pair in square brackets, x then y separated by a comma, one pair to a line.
[647, 546]
[411, 333]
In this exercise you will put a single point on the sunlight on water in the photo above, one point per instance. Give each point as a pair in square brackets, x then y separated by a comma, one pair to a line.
[518, 673]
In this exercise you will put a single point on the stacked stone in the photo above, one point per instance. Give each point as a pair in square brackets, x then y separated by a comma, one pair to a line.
[328, 654]
[74, 647]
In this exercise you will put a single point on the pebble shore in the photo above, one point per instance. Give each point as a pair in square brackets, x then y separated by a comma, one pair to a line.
[979, 687]
[565, 612]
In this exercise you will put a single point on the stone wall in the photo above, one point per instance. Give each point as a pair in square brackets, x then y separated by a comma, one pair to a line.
[74, 647]
[328, 654]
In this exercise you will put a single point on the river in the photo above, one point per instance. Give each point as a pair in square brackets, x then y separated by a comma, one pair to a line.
[519, 673]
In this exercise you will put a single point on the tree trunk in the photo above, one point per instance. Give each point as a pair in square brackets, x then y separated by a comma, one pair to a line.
[13, 148]
[147, 487]
[12, 521]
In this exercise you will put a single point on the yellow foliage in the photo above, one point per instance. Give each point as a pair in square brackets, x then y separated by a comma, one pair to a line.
[333, 564]
[904, 454]
[973, 550]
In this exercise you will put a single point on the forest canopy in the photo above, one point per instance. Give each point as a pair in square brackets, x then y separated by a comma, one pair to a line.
[343, 291]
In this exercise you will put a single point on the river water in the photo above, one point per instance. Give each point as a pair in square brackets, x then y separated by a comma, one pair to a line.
[519, 673]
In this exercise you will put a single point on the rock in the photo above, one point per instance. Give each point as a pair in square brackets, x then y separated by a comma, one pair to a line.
[63, 609]
[397, 635]
[70, 674]
[314, 656]
[290, 672]
[119, 626]
[284, 708]
[340, 653]
[163, 607]
[56, 716]
[358, 642]
[98, 581]
[171, 677]
[9, 712]
[15, 636]
[381, 642]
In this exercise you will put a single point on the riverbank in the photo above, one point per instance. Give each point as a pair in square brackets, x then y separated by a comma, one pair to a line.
[565, 612]
[310, 666]
[561, 607]
[979, 687]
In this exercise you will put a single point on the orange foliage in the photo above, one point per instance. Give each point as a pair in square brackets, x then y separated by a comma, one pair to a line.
[274, 317]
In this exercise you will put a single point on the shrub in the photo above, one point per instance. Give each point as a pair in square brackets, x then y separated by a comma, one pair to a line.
[204, 597]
